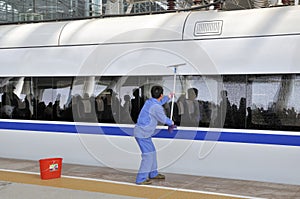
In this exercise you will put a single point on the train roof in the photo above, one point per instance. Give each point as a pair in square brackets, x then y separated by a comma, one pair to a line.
[146, 28]
[157, 27]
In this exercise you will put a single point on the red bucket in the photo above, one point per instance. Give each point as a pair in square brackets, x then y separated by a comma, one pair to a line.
[50, 168]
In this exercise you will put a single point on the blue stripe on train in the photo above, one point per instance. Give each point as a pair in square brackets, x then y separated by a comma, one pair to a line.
[251, 138]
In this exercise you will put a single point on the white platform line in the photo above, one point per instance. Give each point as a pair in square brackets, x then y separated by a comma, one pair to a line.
[133, 184]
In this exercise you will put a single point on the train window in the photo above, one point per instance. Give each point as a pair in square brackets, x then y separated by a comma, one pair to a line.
[233, 101]
[120, 99]
[196, 99]
[51, 97]
[108, 100]
[212, 101]
[230, 101]
[15, 98]
[275, 101]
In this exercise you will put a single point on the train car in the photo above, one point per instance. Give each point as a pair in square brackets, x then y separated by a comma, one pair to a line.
[74, 89]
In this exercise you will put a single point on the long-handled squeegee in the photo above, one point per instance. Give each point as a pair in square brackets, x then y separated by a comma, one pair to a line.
[175, 66]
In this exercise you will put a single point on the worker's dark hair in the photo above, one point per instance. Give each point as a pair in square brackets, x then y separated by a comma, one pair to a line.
[156, 91]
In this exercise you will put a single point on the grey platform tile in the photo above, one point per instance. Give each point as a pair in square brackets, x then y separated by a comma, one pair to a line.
[25, 191]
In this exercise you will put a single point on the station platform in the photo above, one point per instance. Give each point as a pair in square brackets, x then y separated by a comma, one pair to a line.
[21, 179]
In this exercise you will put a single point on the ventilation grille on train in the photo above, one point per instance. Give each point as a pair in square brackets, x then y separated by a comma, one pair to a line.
[208, 28]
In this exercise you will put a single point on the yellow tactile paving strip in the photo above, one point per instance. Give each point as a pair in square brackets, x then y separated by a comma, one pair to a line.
[106, 187]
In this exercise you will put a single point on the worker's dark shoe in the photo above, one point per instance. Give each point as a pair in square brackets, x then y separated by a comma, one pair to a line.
[159, 177]
[146, 182]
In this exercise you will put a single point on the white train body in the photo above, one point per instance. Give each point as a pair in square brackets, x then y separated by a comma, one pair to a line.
[212, 44]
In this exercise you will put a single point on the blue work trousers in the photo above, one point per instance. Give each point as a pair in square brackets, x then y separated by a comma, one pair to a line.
[148, 167]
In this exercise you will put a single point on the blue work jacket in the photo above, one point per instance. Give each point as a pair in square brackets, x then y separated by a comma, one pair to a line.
[151, 113]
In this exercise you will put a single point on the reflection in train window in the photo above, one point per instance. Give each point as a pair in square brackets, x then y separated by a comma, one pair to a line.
[233, 101]
[15, 98]
[229, 101]
[275, 101]
[50, 96]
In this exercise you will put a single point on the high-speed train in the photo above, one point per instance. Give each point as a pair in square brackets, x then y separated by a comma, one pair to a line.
[73, 89]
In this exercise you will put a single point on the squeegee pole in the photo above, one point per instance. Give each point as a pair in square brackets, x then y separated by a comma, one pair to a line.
[174, 87]
[173, 94]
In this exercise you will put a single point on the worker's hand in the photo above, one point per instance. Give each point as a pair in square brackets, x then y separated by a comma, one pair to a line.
[171, 128]
[171, 95]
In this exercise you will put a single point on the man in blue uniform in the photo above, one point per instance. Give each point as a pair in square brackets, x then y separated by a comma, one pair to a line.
[151, 113]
